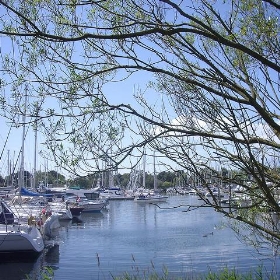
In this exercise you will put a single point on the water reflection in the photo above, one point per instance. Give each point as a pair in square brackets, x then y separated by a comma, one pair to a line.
[19, 268]
[135, 238]
[52, 256]
[25, 266]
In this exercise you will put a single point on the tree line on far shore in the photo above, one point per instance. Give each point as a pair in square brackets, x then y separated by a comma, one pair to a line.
[164, 179]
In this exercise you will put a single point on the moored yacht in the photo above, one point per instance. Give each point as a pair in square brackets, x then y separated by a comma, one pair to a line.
[82, 193]
[87, 205]
[151, 198]
[115, 193]
[18, 238]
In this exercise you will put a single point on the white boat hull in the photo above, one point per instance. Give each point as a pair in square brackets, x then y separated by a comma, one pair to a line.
[92, 206]
[151, 199]
[115, 194]
[19, 240]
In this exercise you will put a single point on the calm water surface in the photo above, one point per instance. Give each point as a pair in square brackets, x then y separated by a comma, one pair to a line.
[141, 239]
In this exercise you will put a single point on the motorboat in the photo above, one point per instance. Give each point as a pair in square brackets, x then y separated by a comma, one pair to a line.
[115, 193]
[82, 193]
[151, 198]
[16, 237]
[50, 190]
[7, 192]
[93, 205]
[88, 205]
[61, 208]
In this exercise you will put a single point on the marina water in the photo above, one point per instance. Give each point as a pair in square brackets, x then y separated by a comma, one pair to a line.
[141, 239]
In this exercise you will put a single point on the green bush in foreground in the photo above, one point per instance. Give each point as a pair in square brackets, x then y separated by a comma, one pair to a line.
[46, 273]
[225, 274]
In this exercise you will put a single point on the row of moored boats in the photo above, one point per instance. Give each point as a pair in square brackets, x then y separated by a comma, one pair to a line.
[28, 218]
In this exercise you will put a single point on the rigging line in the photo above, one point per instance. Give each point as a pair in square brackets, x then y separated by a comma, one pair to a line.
[6, 141]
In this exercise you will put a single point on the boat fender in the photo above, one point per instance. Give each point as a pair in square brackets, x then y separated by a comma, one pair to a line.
[43, 218]
[31, 220]
[40, 222]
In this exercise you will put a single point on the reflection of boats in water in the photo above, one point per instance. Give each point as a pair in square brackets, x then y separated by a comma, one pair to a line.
[24, 267]
[21, 268]
[95, 219]
[52, 255]
[76, 220]
[76, 210]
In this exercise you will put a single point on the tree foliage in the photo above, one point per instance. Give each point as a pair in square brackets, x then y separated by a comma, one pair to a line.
[215, 63]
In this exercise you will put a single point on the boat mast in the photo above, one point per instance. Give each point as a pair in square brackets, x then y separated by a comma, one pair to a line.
[144, 169]
[9, 170]
[155, 177]
[21, 177]
[35, 156]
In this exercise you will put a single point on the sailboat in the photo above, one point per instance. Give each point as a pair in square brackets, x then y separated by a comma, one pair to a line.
[149, 197]
[18, 238]
[21, 234]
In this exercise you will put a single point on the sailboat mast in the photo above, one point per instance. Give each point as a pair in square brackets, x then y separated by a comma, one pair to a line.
[21, 177]
[144, 169]
[35, 156]
[155, 177]
[9, 170]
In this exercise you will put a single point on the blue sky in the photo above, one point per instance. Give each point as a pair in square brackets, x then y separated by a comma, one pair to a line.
[121, 92]
[116, 93]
